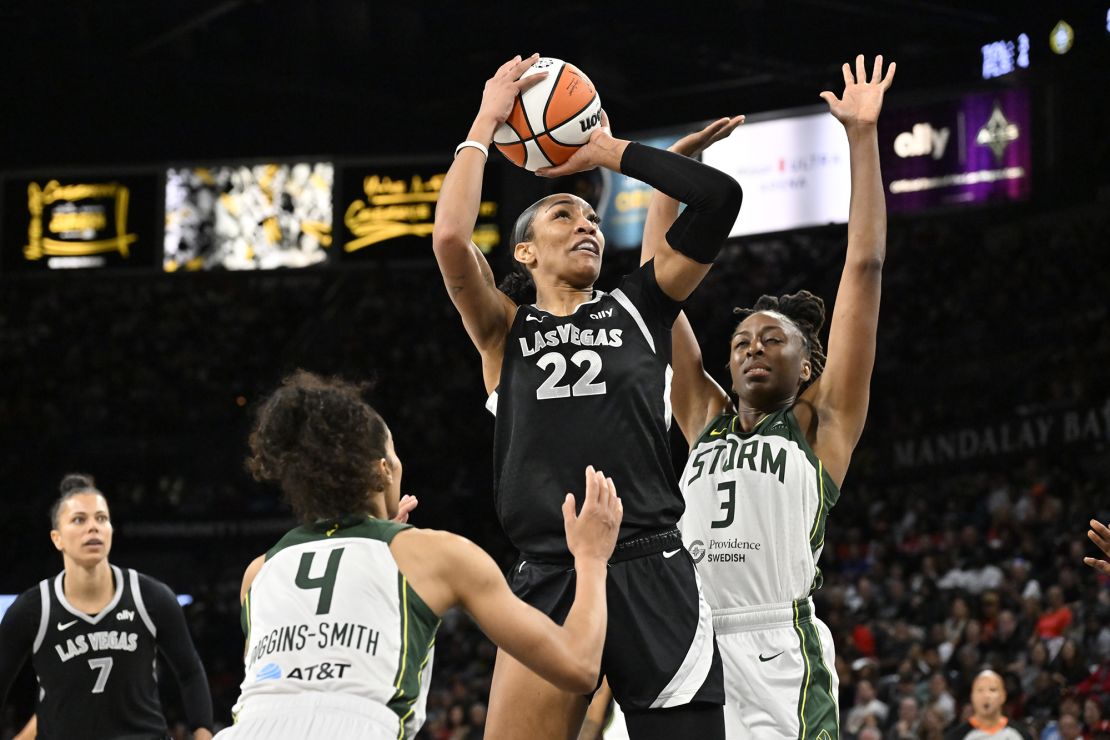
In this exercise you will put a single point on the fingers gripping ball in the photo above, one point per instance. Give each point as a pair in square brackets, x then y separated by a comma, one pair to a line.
[551, 119]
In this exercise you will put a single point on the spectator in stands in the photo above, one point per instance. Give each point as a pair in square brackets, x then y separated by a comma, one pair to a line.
[868, 709]
[1056, 618]
[909, 720]
[988, 696]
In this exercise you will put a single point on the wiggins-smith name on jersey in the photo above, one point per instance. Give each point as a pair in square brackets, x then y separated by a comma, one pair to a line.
[591, 388]
[756, 507]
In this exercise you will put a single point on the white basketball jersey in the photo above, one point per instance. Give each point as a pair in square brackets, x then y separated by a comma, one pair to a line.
[330, 612]
[756, 504]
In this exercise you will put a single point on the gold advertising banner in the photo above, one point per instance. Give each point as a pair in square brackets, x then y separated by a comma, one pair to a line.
[77, 220]
[392, 211]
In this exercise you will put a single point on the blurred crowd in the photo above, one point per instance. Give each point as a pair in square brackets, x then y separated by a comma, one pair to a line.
[935, 567]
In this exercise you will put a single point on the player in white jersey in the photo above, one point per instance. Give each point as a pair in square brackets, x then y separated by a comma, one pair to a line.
[341, 614]
[761, 476]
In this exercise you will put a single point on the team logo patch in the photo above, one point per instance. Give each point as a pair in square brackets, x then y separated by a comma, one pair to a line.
[268, 672]
[697, 550]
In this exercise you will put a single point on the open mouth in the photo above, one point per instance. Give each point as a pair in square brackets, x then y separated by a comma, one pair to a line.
[758, 371]
[587, 245]
[94, 543]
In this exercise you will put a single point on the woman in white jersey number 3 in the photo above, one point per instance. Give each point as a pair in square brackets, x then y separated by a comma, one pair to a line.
[760, 479]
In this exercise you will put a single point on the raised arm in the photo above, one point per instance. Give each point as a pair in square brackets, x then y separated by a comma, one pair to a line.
[446, 570]
[487, 313]
[840, 396]
[695, 396]
[712, 198]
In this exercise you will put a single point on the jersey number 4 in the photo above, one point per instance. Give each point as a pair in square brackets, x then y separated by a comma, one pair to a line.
[326, 582]
[584, 386]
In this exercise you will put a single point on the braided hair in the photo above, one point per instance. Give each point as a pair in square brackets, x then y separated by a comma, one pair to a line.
[318, 439]
[72, 484]
[518, 284]
[807, 312]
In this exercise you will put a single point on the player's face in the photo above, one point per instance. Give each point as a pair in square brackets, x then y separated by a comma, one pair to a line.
[987, 695]
[768, 361]
[84, 532]
[567, 241]
[393, 485]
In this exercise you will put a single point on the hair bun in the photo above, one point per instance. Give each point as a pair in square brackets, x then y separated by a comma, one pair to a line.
[76, 482]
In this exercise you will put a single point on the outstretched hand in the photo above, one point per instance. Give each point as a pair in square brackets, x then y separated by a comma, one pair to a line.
[1099, 534]
[862, 99]
[592, 533]
[501, 89]
[693, 144]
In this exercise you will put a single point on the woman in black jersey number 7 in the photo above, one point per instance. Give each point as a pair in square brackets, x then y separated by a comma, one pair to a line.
[92, 633]
[581, 376]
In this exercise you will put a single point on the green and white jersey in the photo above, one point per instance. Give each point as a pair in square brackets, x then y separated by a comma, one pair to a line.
[756, 505]
[329, 612]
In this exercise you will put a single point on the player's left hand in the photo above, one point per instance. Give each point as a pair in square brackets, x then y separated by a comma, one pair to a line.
[201, 734]
[862, 100]
[1099, 534]
[404, 506]
[600, 150]
[693, 144]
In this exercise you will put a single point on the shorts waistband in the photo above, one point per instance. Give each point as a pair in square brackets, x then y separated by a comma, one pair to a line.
[748, 618]
[298, 705]
[636, 546]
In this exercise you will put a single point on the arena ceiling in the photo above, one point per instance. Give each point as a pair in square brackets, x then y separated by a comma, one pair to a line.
[135, 80]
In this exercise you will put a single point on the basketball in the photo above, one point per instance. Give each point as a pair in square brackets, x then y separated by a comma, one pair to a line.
[550, 120]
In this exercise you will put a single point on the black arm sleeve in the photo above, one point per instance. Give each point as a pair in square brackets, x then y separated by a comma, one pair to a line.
[176, 645]
[17, 636]
[712, 198]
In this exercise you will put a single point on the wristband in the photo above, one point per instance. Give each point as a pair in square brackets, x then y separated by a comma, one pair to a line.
[471, 143]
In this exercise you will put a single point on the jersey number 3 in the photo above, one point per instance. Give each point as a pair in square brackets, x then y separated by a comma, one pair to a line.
[584, 386]
[326, 582]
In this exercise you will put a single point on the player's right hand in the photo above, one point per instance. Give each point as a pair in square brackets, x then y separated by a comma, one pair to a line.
[501, 89]
[592, 533]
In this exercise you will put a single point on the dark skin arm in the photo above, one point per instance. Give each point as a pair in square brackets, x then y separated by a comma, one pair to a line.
[833, 410]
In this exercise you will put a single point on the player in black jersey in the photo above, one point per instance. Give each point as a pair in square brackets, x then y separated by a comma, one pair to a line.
[583, 376]
[93, 632]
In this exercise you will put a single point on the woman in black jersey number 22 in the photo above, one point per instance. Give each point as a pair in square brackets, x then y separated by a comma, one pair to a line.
[92, 633]
[582, 376]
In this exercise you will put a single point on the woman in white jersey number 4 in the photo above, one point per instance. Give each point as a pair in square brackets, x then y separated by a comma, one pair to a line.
[341, 613]
[761, 478]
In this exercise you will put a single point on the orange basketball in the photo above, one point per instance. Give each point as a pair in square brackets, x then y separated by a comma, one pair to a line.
[551, 119]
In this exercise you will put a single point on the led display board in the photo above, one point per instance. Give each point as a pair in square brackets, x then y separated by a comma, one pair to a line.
[390, 211]
[794, 172]
[60, 222]
[972, 149]
[248, 217]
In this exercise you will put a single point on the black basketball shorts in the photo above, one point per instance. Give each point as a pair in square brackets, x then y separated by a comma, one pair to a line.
[660, 650]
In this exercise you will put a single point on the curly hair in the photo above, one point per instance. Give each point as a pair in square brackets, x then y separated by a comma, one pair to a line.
[807, 312]
[318, 440]
[72, 484]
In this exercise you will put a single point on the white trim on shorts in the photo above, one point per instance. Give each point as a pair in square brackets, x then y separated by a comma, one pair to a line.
[695, 667]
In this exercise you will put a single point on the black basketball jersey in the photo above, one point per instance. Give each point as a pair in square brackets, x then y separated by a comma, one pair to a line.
[96, 672]
[592, 388]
